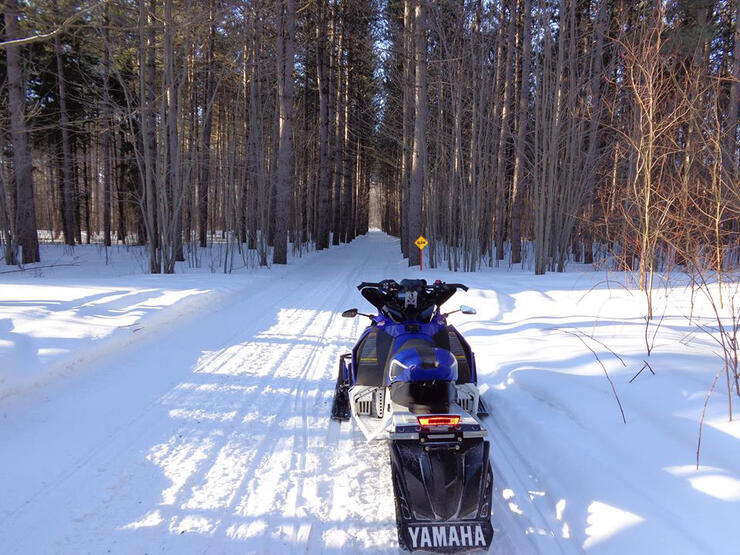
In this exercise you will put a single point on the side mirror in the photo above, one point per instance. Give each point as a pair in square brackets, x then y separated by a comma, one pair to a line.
[351, 313]
[467, 309]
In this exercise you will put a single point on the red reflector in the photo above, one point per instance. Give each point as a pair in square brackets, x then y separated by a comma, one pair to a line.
[446, 420]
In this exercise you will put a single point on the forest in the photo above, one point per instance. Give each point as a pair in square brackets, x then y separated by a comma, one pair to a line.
[539, 132]
[192, 190]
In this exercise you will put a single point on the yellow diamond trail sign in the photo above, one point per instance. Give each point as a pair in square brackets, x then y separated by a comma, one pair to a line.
[421, 242]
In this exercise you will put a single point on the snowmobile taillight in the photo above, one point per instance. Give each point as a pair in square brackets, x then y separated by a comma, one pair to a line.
[444, 420]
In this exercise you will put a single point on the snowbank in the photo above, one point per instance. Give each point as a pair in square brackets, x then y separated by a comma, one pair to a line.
[570, 474]
[83, 303]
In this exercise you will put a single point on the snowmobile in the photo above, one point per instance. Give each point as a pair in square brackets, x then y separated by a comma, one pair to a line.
[411, 379]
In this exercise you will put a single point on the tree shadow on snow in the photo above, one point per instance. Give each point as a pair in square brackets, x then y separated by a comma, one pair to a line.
[569, 475]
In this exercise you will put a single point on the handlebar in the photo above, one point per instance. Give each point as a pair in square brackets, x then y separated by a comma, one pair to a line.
[458, 286]
[367, 284]
[436, 285]
[410, 299]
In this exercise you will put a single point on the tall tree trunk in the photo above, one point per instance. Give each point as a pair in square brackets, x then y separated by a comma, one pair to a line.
[407, 115]
[25, 215]
[148, 129]
[285, 61]
[504, 135]
[205, 150]
[256, 154]
[419, 157]
[86, 163]
[69, 200]
[731, 150]
[339, 123]
[594, 137]
[121, 194]
[347, 173]
[324, 182]
[6, 227]
[171, 225]
[105, 146]
[521, 136]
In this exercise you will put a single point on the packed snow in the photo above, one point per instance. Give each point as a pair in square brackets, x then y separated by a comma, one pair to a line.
[83, 302]
[190, 413]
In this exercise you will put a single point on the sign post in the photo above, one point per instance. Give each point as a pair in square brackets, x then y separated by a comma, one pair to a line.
[421, 242]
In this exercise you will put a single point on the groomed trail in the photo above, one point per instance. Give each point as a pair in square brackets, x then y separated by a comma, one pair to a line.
[209, 436]
[210, 432]
[212, 435]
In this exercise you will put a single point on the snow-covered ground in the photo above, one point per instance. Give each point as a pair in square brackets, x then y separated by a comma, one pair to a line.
[189, 413]
[81, 303]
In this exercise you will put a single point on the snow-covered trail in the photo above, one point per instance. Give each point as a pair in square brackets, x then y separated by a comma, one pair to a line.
[208, 430]
[211, 436]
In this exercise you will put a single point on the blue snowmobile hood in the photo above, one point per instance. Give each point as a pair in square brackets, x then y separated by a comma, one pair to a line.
[408, 365]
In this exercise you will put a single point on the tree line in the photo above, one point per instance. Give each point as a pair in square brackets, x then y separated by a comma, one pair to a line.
[560, 125]
[168, 123]
[535, 131]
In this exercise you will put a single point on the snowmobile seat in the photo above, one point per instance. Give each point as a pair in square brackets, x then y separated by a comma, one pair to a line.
[374, 352]
[416, 390]
[442, 338]
[450, 339]
[423, 346]
[460, 348]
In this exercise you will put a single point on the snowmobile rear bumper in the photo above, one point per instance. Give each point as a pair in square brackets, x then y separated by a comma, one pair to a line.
[443, 490]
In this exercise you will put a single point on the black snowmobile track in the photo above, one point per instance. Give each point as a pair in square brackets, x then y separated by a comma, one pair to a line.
[340, 410]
